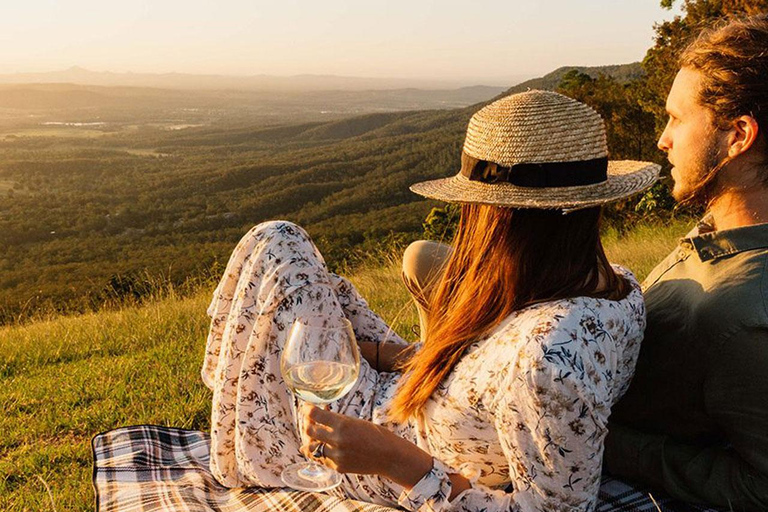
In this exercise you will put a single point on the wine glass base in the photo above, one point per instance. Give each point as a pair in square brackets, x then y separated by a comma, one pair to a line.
[310, 476]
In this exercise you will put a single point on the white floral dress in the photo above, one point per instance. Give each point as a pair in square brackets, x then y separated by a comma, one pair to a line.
[527, 405]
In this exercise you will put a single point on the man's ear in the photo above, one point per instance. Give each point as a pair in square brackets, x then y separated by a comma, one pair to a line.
[743, 134]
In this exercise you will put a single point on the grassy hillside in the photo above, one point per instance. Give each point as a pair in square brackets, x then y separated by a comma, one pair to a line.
[66, 379]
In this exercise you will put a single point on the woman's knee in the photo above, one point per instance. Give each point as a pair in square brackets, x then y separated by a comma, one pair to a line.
[422, 262]
[279, 242]
[282, 227]
[281, 233]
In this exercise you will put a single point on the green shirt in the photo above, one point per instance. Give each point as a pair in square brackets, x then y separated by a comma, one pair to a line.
[695, 419]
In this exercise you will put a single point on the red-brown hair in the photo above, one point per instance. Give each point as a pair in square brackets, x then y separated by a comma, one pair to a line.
[733, 61]
[503, 260]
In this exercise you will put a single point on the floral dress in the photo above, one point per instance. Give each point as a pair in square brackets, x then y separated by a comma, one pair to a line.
[527, 405]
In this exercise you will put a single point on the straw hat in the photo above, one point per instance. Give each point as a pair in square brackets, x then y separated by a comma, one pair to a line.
[550, 152]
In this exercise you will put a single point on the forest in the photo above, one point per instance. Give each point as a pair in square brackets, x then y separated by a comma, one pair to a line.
[102, 202]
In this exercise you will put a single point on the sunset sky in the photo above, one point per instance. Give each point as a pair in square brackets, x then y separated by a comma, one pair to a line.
[485, 41]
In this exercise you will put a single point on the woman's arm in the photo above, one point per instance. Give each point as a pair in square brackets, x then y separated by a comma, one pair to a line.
[550, 415]
[358, 446]
[550, 420]
[389, 356]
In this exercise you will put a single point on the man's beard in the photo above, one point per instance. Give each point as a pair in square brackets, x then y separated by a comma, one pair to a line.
[707, 169]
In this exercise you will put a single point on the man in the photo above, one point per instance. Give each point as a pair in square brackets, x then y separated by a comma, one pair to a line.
[695, 419]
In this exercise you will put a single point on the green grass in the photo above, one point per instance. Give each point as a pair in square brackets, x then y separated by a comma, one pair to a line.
[645, 245]
[66, 379]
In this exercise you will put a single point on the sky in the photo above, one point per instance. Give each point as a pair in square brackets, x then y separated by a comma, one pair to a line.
[482, 41]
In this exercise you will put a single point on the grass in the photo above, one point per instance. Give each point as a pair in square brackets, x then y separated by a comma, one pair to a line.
[66, 379]
[645, 245]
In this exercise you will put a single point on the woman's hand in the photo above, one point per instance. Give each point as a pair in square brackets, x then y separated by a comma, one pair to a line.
[357, 446]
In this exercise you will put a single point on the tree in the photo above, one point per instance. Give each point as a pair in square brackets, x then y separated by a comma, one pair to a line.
[661, 60]
[441, 223]
[629, 129]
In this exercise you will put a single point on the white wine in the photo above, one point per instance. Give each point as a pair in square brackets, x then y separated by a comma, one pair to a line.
[321, 382]
[320, 363]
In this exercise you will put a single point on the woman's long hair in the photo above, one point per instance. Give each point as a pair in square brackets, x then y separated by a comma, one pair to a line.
[503, 260]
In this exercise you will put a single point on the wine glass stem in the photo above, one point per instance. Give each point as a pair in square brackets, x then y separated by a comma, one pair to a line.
[313, 470]
[297, 417]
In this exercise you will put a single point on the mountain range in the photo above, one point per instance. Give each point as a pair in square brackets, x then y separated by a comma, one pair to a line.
[306, 82]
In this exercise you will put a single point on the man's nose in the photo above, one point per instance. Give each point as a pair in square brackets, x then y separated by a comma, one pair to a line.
[664, 142]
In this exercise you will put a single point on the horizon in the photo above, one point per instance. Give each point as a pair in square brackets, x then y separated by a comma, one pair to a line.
[306, 82]
[453, 82]
[431, 41]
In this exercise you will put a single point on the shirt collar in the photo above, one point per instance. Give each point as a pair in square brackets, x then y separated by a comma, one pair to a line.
[710, 244]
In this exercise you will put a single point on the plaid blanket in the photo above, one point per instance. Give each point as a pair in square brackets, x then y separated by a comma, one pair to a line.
[150, 468]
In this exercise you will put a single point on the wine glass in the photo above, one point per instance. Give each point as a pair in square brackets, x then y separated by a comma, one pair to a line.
[320, 363]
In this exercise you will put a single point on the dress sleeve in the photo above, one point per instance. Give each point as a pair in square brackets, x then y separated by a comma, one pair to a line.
[551, 422]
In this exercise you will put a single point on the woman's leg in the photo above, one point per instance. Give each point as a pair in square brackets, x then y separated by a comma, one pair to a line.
[423, 262]
[275, 275]
[367, 324]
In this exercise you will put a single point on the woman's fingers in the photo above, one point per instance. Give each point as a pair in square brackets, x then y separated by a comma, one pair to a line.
[350, 445]
[348, 442]
[315, 424]
[312, 415]
[318, 415]
[309, 449]
[318, 432]
[329, 454]
[330, 458]
[321, 426]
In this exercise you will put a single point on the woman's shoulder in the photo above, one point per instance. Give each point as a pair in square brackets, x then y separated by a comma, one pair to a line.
[628, 275]
[562, 313]
[588, 343]
[576, 322]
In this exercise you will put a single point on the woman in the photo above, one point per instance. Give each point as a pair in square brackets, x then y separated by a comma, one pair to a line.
[530, 335]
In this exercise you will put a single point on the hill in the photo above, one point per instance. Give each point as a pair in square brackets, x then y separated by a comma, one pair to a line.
[86, 209]
[623, 73]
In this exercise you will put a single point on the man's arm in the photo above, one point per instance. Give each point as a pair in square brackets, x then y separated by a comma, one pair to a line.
[732, 475]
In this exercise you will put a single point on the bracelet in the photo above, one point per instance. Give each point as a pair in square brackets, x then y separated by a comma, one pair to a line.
[377, 355]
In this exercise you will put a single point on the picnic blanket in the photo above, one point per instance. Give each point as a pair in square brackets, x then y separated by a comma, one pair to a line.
[148, 468]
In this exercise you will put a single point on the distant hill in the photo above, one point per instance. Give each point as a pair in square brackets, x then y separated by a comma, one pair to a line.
[81, 76]
[81, 88]
[349, 127]
[621, 72]
[82, 101]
